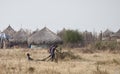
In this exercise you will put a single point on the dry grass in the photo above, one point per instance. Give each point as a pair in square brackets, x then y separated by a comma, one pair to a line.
[98, 71]
[13, 61]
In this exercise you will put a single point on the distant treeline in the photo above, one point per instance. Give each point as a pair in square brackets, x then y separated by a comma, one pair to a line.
[74, 38]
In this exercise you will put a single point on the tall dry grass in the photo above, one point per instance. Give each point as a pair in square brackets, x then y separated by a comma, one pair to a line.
[14, 61]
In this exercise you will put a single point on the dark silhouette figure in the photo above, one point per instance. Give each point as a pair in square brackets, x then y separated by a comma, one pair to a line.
[52, 53]
[28, 57]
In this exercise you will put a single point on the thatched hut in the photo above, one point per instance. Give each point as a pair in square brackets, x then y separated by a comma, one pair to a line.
[37, 30]
[44, 38]
[116, 36]
[20, 38]
[107, 35]
[9, 31]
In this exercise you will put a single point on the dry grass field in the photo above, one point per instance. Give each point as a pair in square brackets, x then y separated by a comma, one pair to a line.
[14, 61]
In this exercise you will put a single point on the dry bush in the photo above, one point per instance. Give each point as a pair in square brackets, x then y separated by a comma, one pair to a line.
[106, 45]
[87, 51]
[31, 69]
[68, 55]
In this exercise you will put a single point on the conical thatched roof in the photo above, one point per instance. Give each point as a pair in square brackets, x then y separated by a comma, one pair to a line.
[107, 33]
[117, 34]
[37, 30]
[44, 36]
[118, 31]
[21, 36]
[10, 31]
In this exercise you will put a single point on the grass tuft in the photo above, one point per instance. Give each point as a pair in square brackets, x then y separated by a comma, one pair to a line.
[98, 71]
[31, 69]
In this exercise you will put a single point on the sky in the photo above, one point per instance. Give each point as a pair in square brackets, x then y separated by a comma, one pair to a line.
[90, 15]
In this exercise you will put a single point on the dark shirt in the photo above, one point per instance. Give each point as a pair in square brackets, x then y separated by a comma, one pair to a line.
[52, 50]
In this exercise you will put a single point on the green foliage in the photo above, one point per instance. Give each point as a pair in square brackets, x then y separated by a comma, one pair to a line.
[71, 36]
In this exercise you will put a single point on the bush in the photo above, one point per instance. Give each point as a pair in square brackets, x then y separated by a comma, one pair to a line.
[106, 45]
[71, 37]
[68, 55]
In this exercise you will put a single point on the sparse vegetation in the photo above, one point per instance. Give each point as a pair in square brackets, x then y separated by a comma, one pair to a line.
[49, 71]
[14, 61]
[106, 45]
[71, 38]
[116, 61]
[68, 56]
[31, 69]
[107, 62]
[98, 71]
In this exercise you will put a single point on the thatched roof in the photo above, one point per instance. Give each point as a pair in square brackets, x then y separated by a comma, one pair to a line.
[107, 33]
[118, 31]
[44, 36]
[117, 34]
[10, 31]
[20, 37]
[37, 30]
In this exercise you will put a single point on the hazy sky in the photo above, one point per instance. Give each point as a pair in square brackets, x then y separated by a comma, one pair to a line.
[55, 14]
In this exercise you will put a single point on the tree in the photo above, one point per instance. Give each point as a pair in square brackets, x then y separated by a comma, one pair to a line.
[71, 37]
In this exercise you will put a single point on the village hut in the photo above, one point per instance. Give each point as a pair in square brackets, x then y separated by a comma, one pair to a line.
[106, 35]
[9, 31]
[44, 38]
[20, 38]
[37, 30]
[116, 36]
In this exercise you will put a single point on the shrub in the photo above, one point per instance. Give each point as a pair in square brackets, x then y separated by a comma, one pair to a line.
[106, 45]
[68, 55]
[71, 37]
[31, 69]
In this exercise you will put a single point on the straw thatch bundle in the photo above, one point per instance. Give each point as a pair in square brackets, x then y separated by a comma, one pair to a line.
[20, 37]
[107, 33]
[118, 33]
[37, 30]
[44, 36]
[9, 31]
